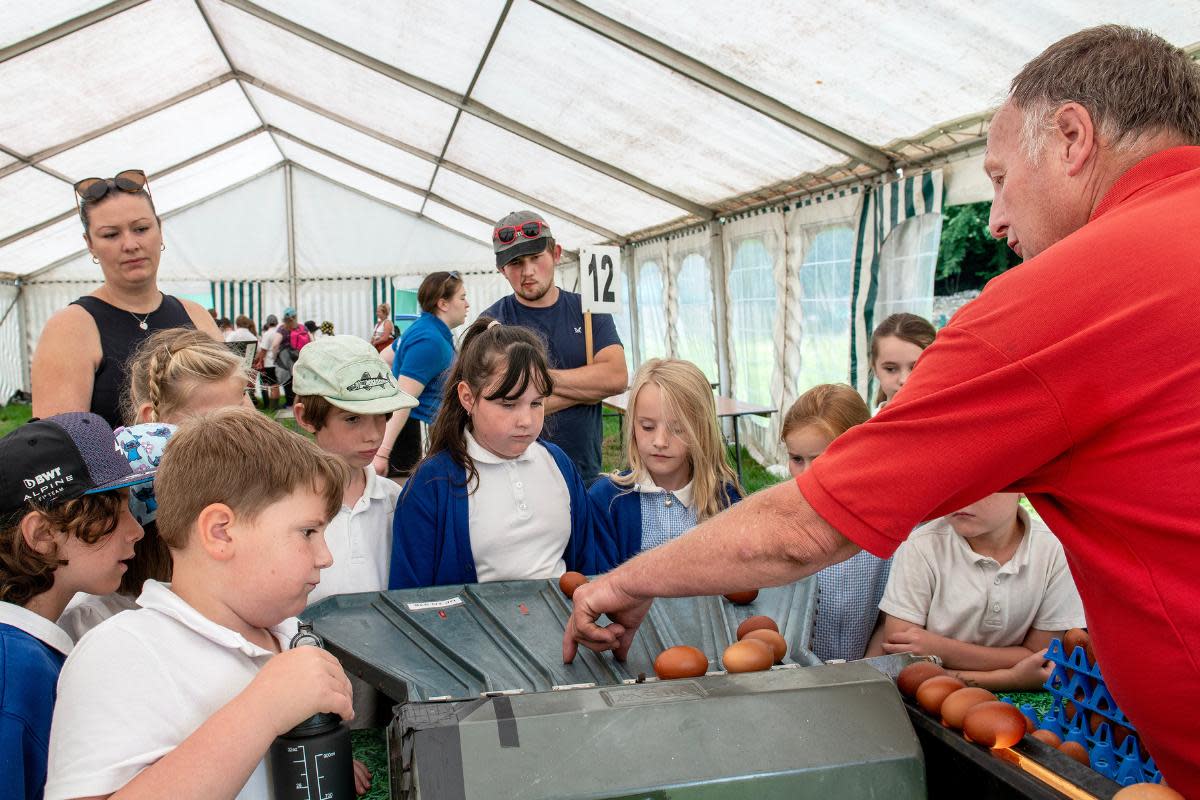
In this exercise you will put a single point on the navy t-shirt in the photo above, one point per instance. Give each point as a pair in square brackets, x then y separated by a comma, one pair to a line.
[578, 429]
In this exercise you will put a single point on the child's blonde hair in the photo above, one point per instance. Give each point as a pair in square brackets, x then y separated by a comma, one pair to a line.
[833, 407]
[687, 397]
[200, 468]
[165, 368]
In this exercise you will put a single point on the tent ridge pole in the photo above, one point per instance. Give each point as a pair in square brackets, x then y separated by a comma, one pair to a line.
[290, 207]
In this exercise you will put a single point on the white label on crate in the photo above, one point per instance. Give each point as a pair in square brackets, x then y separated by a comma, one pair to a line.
[451, 603]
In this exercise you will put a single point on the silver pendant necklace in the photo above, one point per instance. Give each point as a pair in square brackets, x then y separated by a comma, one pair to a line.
[141, 321]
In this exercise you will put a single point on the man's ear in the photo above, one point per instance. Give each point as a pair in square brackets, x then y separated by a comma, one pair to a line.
[557, 254]
[1073, 139]
[465, 396]
[298, 412]
[37, 533]
[214, 530]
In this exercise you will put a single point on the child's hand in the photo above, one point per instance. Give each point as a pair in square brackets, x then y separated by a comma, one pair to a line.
[914, 640]
[362, 778]
[297, 684]
[1031, 672]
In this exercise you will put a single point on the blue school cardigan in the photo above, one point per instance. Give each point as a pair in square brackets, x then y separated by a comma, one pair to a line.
[431, 536]
[621, 509]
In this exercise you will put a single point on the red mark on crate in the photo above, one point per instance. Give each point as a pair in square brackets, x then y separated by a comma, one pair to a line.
[523, 609]
[442, 614]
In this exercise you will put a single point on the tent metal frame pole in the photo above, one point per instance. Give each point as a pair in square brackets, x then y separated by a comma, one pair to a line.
[472, 107]
[720, 283]
[290, 210]
[430, 157]
[66, 28]
[188, 94]
[23, 334]
[187, 162]
[26, 161]
[703, 74]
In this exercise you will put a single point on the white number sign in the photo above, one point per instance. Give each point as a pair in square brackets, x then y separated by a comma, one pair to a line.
[600, 279]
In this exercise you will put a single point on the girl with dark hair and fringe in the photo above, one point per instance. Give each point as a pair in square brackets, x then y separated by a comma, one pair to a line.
[490, 501]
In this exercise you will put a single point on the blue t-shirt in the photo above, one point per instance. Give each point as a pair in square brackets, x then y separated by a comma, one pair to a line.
[577, 430]
[28, 687]
[424, 354]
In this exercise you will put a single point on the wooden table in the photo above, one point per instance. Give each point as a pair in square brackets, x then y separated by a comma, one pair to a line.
[726, 407]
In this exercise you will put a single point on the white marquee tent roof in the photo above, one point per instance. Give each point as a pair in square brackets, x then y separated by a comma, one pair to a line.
[274, 129]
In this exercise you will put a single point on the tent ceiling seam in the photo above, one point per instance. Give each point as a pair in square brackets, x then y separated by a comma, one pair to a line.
[50, 152]
[472, 107]
[66, 28]
[487, 50]
[458, 169]
[26, 161]
[717, 81]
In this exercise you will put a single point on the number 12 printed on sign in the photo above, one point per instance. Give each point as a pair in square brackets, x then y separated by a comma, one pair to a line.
[601, 279]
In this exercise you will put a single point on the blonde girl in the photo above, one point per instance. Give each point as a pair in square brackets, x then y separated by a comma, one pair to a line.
[848, 593]
[678, 474]
[896, 345]
[173, 375]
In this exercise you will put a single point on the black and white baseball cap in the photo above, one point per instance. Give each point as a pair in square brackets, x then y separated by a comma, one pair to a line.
[62, 458]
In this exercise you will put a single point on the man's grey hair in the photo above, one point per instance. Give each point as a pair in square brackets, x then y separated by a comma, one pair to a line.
[1132, 82]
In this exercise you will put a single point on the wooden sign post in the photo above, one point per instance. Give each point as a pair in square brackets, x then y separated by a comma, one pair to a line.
[600, 280]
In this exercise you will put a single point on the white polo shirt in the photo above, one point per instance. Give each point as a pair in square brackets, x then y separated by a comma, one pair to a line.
[86, 611]
[135, 687]
[360, 540]
[520, 515]
[939, 582]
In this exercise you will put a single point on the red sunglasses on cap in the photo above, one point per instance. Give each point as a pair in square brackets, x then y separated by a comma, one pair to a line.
[508, 234]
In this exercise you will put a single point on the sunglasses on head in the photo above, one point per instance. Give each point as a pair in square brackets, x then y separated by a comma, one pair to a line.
[509, 233]
[127, 180]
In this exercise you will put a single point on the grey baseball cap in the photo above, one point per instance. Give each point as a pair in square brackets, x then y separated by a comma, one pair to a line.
[511, 237]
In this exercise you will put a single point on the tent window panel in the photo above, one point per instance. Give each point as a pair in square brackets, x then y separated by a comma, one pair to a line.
[826, 278]
[652, 311]
[624, 328]
[907, 262]
[752, 322]
[695, 329]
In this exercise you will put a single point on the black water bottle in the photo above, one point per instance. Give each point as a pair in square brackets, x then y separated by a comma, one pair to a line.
[314, 760]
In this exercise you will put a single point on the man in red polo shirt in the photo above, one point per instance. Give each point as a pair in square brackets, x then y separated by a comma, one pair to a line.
[1074, 378]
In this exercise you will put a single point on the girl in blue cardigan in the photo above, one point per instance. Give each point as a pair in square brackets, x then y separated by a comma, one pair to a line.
[490, 501]
[678, 475]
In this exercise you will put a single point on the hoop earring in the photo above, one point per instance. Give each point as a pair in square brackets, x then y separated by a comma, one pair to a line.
[163, 249]
[95, 260]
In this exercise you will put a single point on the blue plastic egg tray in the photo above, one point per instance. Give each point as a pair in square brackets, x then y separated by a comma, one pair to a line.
[1079, 682]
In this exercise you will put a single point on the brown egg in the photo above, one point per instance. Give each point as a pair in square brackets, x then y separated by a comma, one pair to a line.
[1069, 710]
[933, 691]
[914, 675]
[1076, 751]
[1076, 637]
[1049, 737]
[754, 624]
[956, 705]
[1120, 733]
[1029, 726]
[1089, 652]
[994, 724]
[570, 581]
[680, 662]
[748, 655]
[776, 642]
[742, 598]
[1148, 791]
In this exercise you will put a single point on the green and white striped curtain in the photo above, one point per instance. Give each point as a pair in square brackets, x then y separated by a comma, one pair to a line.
[884, 208]
[383, 290]
[231, 298]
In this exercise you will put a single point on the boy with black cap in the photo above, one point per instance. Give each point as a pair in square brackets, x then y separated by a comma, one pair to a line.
[527, 255]
[65, 527]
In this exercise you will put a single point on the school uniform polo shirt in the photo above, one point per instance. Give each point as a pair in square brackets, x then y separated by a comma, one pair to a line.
[1073, 378]
[137, 686]
[360, 540]
[941, 584]
[32, 650]
[666, 514]
[519, 515]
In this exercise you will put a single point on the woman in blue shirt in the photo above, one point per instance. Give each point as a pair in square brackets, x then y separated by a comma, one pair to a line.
[423, 359]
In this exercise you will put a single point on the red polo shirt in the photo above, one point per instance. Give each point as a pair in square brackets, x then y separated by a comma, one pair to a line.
[1075, 378]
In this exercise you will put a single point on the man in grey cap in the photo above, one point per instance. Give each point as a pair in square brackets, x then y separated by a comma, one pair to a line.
[527, 255]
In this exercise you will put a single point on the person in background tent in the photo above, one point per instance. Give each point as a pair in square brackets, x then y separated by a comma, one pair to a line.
[225, 326]
[421, 363]
[492, 501]
[286, 354]
[678, 473]
[1094, 159]
[385, 329]
[79, 364]
[264, 362]
[243, 330]
[896, 345]
[527, 255]
[848, 593]
[314, 332]
[327, 328]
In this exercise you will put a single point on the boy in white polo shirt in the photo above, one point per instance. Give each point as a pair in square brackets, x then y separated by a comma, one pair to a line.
[183, 697]
[985, 589]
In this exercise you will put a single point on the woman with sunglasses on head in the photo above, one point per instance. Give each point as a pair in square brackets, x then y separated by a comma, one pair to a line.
[79, 364]
[422, 361]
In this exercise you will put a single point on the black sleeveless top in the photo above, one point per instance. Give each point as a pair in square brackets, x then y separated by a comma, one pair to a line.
[120, 334]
